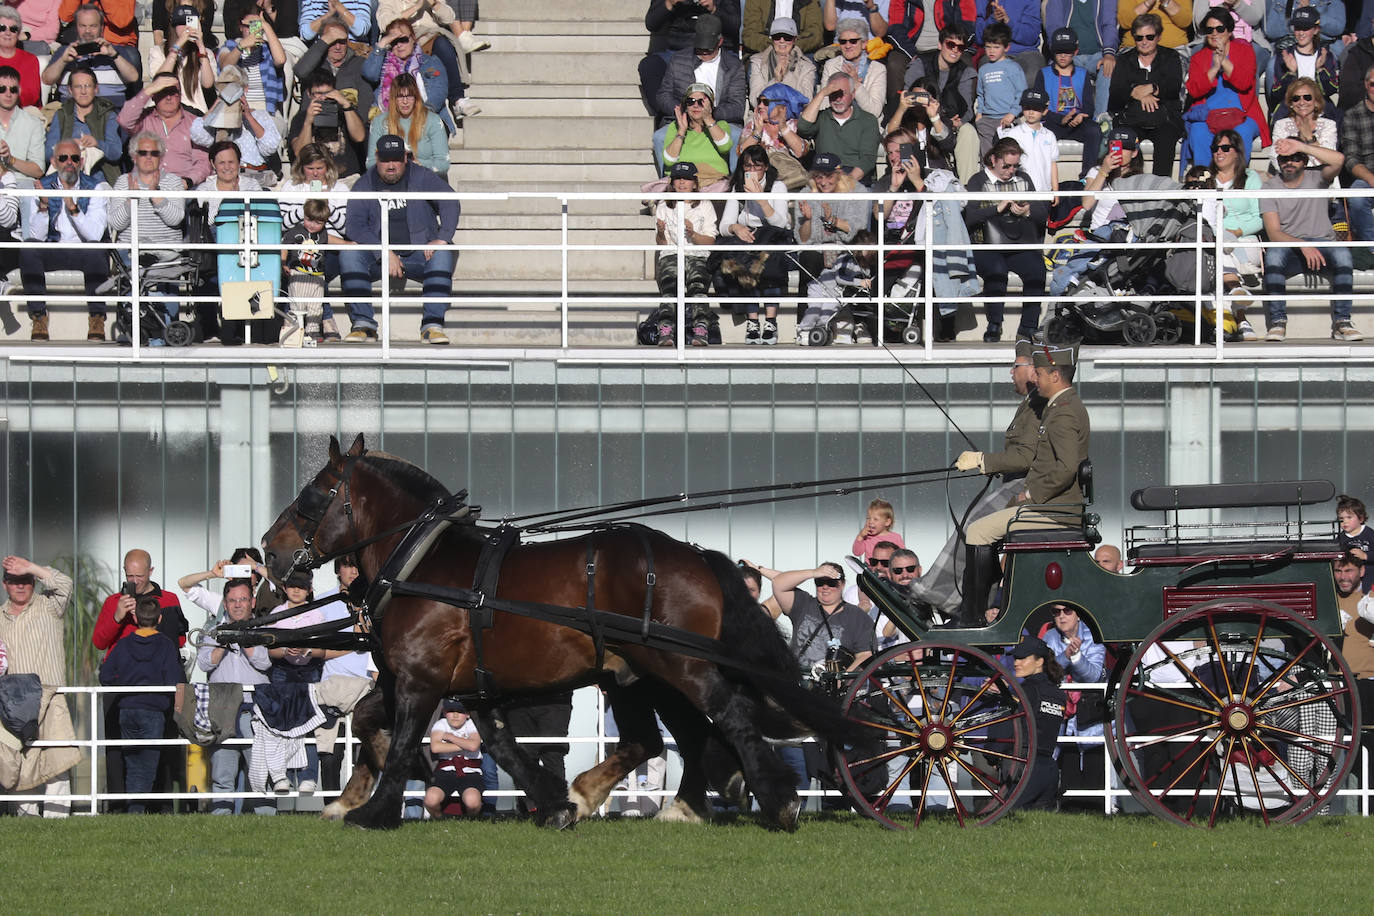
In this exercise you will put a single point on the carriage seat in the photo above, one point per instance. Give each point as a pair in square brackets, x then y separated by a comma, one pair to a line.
[1175, 553]
[1079, 531]
[1282, 493]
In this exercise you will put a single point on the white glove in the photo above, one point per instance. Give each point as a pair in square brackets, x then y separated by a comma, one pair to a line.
[968, 461]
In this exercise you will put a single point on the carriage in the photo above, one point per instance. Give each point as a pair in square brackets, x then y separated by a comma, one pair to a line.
[1228, 694]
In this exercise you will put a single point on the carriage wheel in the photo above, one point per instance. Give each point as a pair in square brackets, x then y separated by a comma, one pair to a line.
[1233, 707]
[1168, 329]
[1064, 330]
[1138, 329]
[951, 737]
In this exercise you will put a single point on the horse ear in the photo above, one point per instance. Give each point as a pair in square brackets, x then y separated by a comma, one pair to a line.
[357, 447]
[335, 456]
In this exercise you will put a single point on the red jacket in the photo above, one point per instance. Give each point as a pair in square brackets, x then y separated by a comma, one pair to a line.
[1242, 79]
[897, 12]
[107, 632]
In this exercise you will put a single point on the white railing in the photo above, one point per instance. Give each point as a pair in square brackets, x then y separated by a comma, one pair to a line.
[1114, 797]
[567, 303]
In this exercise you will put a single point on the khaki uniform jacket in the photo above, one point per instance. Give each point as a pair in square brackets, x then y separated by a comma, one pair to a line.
[1061, 444]
[1015, 458]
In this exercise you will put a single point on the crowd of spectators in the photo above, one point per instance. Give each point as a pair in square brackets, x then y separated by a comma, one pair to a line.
[985, 93]
[252, 96]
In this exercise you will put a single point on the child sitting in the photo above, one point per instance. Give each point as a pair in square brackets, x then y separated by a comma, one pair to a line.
[877, 527]
[144, 658]
[305, 283]
[457, 751]
[1354, 534]
[693, 222]
[1000, 84]
[1069, 89]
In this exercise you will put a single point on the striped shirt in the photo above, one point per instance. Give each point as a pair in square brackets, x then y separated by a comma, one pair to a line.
[158, 224]
[34, 636]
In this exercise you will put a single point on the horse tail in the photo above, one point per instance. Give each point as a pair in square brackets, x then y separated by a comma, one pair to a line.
[762, 659]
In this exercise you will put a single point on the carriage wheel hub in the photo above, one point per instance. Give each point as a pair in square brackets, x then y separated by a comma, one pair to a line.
[937, 739]
[1237, 718]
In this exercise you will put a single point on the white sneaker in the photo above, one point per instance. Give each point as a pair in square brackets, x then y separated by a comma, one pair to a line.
[464, 108]
[469, 43]
[280, 785]
[1247, 333]
[308, 787]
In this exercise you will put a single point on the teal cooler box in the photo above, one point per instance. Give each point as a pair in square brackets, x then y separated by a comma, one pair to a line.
[249, 282]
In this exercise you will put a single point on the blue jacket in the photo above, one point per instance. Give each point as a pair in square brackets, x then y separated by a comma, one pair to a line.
[432, 76]
[1024, 18]
[143, 661]
[426, 219]
[1057, 17]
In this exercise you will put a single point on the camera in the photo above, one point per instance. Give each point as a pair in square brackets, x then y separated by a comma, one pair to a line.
[87, 48]
[238, 571]
[326, 124]
[129, 589]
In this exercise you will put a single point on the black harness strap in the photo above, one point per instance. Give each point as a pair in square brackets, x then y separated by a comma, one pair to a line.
[598, 636]
[650, 580]
[485, 579]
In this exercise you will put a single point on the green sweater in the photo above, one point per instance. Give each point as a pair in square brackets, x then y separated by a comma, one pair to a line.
[855, 142]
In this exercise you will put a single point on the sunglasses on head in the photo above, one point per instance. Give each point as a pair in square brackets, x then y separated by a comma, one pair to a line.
[874, 561]
[899, 570]
[1145, 36]
[826, 582]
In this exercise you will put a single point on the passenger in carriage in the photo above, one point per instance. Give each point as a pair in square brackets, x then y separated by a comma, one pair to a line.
[1060, 446]
[1108, 556]
[1355, 534]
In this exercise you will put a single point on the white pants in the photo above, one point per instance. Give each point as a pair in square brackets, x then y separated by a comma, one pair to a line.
[61, 786]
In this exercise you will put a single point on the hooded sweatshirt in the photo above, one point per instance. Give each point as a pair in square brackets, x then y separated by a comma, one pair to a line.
[143, 659]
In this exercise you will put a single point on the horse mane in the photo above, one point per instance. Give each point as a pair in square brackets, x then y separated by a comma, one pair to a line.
[408, 476]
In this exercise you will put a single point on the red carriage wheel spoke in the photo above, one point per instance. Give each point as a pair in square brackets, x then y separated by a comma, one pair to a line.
[949, 687]
[1332, 694]
[1216, 799]
[1161, 739]
[1289, 733]
[1178, 663]
[972, 701]
[1009, 717]
[959, 808]
[1307, 789]
[989, 788]
[1179, 756]
[919, 806]
[1254, 781]
[1254, 657]
[1220, 655]
[885, 798]
[886, 755]
[991, 753]
[896, 701]
[1172, 701]
[1278, 676]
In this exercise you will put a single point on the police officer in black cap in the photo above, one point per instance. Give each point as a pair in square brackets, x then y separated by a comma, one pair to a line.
[1040, 676]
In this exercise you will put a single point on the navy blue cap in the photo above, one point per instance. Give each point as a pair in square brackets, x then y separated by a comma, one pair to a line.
[390, 148]
[1125, 136]
[1063, 41]
[826, 162]
[1036, 99]
[1305, 17]
[1032, 646]
[683, 170]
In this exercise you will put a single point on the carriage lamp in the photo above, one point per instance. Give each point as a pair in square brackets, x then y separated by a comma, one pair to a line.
[1054, 576]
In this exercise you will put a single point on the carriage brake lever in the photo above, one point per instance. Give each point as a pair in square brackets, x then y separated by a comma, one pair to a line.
[1248, 561]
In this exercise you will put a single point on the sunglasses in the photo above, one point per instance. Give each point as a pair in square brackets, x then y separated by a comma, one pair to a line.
[9, 90]
[848, 41]
[1216, 29]
[1295, 157]
[1304, 97]
[706, 50]
[404, 40]
[1145, 36]
[826, 582]
[145, 153]
[1062, 611]
[1007, 166]
[899, 570]
[781, 37]
[1223, 147]
[11, 28]
[954, 45]
[67, 157]
[874, 561]
[696, 101]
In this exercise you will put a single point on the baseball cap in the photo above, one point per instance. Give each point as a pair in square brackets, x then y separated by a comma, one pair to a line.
[708, 32]
[1030, 647]
[453, 704]
[783, 25]
[1035, 99]
[1305, 17]
[182, 14]
[1125, 136]
[390, 148]
[826, 162]
[683, 170]
[1063, 40]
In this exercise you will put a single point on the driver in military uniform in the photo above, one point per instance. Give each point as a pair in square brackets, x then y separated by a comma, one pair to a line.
[1060, 445]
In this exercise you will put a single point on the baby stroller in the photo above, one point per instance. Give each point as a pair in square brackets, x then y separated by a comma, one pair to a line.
[179, 275]
[849, 281]
[1114, 293]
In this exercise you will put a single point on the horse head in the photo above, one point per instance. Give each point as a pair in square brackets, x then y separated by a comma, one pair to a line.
[319, 519]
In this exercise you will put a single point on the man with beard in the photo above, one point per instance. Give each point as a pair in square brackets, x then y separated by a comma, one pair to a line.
[64, 228]
[1357, 646]
[430, 222]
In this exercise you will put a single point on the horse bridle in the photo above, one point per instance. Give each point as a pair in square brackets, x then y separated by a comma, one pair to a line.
[311, 506]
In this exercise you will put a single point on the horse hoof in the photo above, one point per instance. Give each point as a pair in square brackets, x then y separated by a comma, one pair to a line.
[333, 812]
[559, 817]
[372, 818]
[788, 813]
[679, 812]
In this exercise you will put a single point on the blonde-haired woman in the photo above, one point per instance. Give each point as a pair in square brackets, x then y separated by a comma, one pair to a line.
[406, 116]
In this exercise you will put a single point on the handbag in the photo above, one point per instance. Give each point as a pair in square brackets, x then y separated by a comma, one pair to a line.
[1224, 119]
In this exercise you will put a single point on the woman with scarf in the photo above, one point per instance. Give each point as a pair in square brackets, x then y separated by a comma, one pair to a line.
[782, 62]
[398, 52]
[439, 30]
[870, 78]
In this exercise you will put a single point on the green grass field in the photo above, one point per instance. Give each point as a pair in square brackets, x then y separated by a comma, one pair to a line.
[1034, 863]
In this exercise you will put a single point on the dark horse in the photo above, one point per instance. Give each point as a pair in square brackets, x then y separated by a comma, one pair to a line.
[426, 648]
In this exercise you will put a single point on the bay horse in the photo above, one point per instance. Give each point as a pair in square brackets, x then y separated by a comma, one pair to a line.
[426, 649]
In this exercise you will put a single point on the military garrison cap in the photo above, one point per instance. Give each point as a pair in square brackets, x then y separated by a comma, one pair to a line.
[1024, 349]
[1054, 357]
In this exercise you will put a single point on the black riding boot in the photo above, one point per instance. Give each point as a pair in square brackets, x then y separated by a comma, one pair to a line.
[980, 572]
